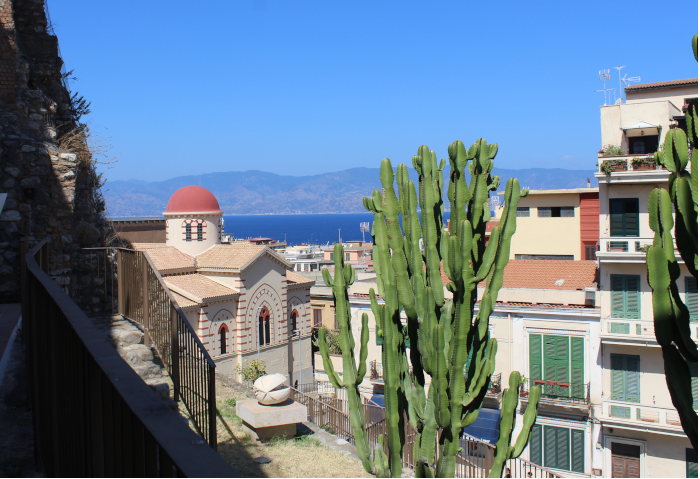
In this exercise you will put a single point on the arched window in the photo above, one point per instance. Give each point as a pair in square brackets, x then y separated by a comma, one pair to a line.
[222, 339]
[264, 327]
[200, 233]
[293, 322]
[188, 232]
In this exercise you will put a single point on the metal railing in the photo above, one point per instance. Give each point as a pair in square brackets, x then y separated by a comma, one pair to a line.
[625, 244]
[144, 299]
[475, 460]
[558, 391]
[634, 162]
[92, 414]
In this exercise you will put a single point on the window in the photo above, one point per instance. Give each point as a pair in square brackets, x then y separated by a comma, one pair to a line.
[318, 318]
[557, 360]
[561, 447]
[691, 463]
[522, 212]
[264, 327]
[188, 232]
[624, 217]
[293, 322]
[347, 256]
[642, 145]
[624, 372]
[625, 296]
[331, 256]
[200, 232]
[691, 297]
[566, 257]
[694, 382]
[590, 252]
[222, 339]
[555, 212]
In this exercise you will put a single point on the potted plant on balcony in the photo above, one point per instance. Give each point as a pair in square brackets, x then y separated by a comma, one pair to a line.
[614, 150]
[646, 163]
[609, 166]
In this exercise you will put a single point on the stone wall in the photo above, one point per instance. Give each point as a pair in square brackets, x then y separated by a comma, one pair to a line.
[51, 192]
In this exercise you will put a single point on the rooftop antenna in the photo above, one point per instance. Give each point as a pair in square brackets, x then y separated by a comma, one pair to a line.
[627, 81]
[618, 68]
[604, 75]
[364, 227]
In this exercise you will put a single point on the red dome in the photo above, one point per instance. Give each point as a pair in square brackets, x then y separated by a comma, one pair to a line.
[193, 199]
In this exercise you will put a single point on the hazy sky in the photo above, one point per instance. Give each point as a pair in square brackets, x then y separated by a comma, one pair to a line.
[300, 87]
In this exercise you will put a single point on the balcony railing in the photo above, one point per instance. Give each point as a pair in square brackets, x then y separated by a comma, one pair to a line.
[92, 414]
[627, 163]
[641, 414]
[625, 245]
[632, 329]
[559, 391]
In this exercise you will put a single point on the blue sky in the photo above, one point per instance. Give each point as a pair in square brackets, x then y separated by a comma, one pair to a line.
[309, 87]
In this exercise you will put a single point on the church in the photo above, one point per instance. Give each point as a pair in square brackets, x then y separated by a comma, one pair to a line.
[241, 298]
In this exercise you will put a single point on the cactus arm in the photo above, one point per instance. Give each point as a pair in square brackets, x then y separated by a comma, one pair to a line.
[364, 339]
[509, 403]
[327, 365]
[528, 421]
[678, 381]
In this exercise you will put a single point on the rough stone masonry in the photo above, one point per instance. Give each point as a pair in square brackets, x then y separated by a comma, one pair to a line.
[51, 192]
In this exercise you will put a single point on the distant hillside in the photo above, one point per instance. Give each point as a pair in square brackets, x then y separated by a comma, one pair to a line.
[260, 192]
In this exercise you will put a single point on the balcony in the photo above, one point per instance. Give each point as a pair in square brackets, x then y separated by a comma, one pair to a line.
[630, 168]
[556, 393]
[641, 417]
[626, 249]
[628, 332]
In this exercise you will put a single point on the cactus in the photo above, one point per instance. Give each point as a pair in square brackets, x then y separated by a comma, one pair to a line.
[671, 316]
[353, 373]
[441, 331]
[504, 451]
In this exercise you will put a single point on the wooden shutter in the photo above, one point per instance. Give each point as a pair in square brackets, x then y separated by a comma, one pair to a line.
[632, 386]
[577, 367]
[632, 217]
[550, 446]
[578, 451]
[691, 297]
[536, 445]
[617, 218]
[618, 287]
[556, 358]
[632, 300]
[563, 449]
[617, 373]
[563, 359]
[536, 356]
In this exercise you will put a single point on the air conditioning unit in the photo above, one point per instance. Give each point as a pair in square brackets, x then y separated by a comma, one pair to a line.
[590, 297]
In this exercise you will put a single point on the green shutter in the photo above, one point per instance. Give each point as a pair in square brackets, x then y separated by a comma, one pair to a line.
[550, 446]
[691, 463]
[639, 329]
[617, 218]
[694, 383]
[619, 328]
[563, 449]
[620, 411]
[577, 367]
[632, 386]
[632, 217]
[578, 451]
[632, 297]
[691, 297]
[536, 445]
[624, 217]
[331, 256]
[617, 373]
[618, 284]
[536, 356]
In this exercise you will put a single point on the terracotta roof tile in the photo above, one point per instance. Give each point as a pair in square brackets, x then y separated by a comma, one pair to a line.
[169, 258]
[235, 255]
[142, 246]
[663, 84]
[295, 278]
[182, 301]
[198, 287]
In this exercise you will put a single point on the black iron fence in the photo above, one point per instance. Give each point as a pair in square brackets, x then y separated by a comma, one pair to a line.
[92, 414]
[558, 391]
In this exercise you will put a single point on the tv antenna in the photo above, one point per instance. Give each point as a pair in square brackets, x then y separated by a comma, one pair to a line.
[627, 82]
[604, 75]
[364, 226]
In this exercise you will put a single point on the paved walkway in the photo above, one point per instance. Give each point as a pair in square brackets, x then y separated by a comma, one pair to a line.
[9, 315]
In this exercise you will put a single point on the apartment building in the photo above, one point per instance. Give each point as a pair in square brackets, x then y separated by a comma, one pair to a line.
[638, 431]
[557, 224]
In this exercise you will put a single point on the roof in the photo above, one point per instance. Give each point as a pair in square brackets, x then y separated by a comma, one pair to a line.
[662, 85]
[199, 288]
[182, 301]
[168, 259]
[295, 278]
[193, 199]
[143, 246]
[642, 125]
[561, 191]
[236, 255]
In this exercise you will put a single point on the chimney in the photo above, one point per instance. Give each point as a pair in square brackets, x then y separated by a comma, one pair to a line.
[589, 182]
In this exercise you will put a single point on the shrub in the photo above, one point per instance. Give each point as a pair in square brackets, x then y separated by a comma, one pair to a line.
[252, 370]
[613, 150]
[333, 341]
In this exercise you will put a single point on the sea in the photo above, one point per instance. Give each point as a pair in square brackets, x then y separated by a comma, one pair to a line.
[320, 229]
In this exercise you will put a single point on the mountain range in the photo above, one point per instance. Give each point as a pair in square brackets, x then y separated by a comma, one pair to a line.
[261, 192]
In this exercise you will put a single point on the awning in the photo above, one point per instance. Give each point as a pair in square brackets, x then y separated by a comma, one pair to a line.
[486, 426]
[641, 129]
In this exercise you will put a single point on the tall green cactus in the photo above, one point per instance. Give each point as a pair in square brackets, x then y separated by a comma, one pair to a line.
[671, 316]
[353, 373]
[441, 331]
[504, 451]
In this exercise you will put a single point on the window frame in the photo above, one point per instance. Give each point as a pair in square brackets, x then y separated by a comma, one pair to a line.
[522, 212]
[625, 375]
[541, 449]
[622, 233]
[625, 312]
[188, 232]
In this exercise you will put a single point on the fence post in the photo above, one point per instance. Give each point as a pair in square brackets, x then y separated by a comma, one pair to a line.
[120, 286]
[174, 353]
[212, 406]
[146, 320]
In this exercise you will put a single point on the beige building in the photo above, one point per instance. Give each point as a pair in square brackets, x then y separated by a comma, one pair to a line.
[242, 299]
[555, 225]
[640, 433]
